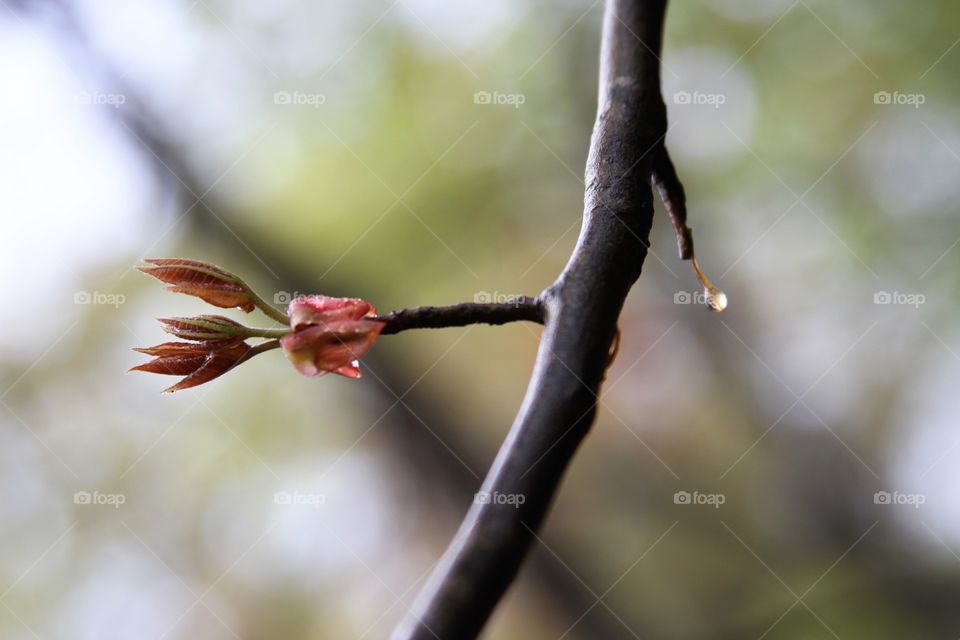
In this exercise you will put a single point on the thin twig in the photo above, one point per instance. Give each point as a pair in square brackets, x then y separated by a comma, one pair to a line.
[460, 315]
[257, 350]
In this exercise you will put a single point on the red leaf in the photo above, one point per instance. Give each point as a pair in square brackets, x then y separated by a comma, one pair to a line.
[206, 281]
[204, 327]
[331, 348]
[317, 309]
[199, 361]
[189, 348]
[215, 365]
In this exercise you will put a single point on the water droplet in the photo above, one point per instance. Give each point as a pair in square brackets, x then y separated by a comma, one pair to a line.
[715, 299]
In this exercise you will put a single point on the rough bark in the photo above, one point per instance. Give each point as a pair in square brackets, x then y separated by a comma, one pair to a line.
[580, 312]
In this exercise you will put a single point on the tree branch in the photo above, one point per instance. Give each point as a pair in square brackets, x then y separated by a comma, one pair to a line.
[580, 311]
[460, 315]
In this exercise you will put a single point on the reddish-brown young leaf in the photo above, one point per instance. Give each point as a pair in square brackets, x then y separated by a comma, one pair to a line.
[317, 309]
[208, 282]
[331, 348]
[199, 361]
[179, 365]
[215, 365]
[205, 327]
[189, 348]
[223, 296]
[173, 267]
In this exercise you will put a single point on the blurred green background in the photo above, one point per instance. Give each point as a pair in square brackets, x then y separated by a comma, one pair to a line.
[786, 470]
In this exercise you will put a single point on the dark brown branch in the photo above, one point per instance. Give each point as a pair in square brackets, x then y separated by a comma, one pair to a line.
[581, 312]
[460, 315]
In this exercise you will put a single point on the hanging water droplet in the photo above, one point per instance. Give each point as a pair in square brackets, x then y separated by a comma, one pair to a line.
[715, 299]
